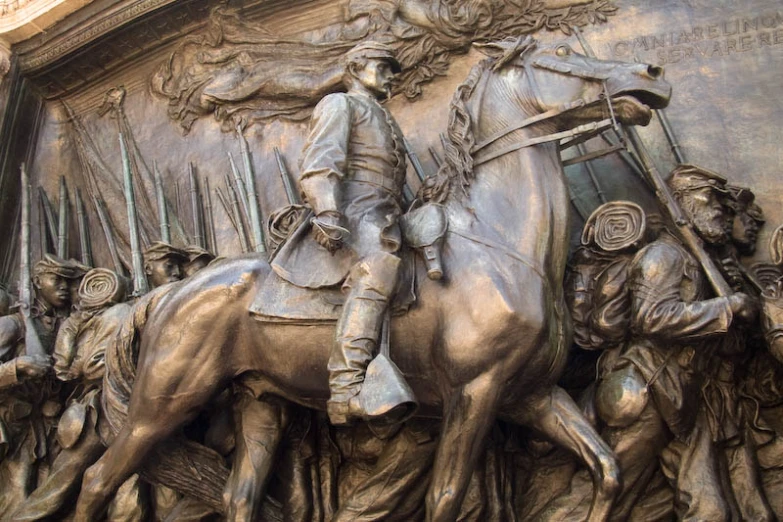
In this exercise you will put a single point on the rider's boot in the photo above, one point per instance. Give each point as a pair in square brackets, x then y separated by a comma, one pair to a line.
[372, 282]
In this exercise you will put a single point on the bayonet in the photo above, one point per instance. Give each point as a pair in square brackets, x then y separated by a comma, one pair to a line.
[140, 285]
[51, 217]
[239, 186]
[103, 218]
[84, 231]
[241, 230]
[195, 204]
[288, 184]
[417, 167]
[435, 156]
[210, 222]
[33, 344]
[62, 231]
[255, 211]
[163, 211]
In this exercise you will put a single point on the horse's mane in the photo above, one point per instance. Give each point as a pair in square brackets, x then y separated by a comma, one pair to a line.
[457, 166]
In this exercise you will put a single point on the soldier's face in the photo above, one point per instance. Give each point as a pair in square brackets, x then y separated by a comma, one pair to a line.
[707, 215]
[53, 289]
[376, 76]
[162, 271]
[195, 265]
[745, 232]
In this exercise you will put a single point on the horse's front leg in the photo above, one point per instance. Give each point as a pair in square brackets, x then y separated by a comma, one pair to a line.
[259, 427]
[554, 414]
[467, 418]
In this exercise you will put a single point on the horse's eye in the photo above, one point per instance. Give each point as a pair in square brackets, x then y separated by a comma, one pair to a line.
[563, 51]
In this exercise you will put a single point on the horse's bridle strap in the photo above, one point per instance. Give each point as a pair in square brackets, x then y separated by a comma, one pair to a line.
[557, 136]
[551, 113]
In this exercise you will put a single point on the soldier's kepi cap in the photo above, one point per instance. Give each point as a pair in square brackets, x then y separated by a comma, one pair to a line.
[70, 269]
[373, 49]
[195, 252]
[686, 178]
[741, 195]
[160, 250]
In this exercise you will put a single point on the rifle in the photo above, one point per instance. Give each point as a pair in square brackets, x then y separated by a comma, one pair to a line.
[51, 218]
[103, 217]
[84, 233]
[140, 285]
[33, 344]
[163, 211]
[290, 191]
[435, 156]
[667, 201]
[234, 214]
[198, 223]
[62, 231]
[210, 221]
[255, 210]
[239, 186]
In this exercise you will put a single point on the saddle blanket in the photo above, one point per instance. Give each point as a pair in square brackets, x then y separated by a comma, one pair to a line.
[279, 301]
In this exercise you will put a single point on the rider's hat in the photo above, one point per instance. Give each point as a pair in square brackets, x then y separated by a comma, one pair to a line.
[686, 178]
[160, 250]
[373, 49]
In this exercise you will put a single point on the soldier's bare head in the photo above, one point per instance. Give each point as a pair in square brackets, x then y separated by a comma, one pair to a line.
[371, 67]
[701, 194]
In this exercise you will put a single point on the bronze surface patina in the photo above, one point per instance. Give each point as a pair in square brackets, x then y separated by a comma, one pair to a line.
[400, 260]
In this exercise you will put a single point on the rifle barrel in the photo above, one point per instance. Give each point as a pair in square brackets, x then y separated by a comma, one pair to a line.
[414, 160]
[255, 210]
[62, 231]
[84, 232]
[241, 230]
[210, 221]
[163, 211]
[103, 217]
[667, 201]
[33, 344]
[198, 224]
[670, 137]
[288, 184]
[239, 187]
[140, 285]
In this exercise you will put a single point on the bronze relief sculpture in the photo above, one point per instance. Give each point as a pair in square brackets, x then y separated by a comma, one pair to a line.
[522, 338]
[390, 345]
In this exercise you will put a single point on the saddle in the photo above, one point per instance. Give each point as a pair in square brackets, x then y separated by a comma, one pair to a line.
[286, 298]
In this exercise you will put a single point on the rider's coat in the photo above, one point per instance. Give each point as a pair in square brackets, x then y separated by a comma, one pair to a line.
[354, 163]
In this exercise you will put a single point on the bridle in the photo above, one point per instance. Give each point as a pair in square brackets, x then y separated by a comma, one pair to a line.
[573, 136]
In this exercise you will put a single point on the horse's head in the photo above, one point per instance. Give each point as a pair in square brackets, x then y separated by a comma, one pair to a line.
[553, 77]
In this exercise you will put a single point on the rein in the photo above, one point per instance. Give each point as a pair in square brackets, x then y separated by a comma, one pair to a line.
[588, 128]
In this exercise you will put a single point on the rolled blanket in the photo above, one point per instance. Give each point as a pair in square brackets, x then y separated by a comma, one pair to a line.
[615, 226]
[101, 287]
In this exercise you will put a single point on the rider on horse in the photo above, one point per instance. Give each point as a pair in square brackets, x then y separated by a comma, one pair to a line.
[353, 174]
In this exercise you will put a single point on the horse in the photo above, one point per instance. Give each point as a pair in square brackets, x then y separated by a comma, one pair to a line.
[487, 342]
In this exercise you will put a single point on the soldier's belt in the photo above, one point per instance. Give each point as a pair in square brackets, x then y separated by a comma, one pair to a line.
[378, 180]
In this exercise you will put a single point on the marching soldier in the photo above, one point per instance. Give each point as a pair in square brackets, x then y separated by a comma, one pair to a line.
[28, 408]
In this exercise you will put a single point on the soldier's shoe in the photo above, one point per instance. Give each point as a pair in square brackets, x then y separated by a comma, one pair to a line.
[345, 413]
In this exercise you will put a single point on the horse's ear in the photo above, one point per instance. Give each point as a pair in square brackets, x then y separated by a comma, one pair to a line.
[491, 49]
[507, 50]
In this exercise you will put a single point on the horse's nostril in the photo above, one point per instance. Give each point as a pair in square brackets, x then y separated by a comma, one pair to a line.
[654, 71]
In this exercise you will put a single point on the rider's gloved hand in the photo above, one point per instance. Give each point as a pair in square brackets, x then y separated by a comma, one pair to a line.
[327, 230]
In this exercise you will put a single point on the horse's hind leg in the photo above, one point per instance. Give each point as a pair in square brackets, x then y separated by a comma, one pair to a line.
[467, 419]
[259, 427]
[556, 416]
